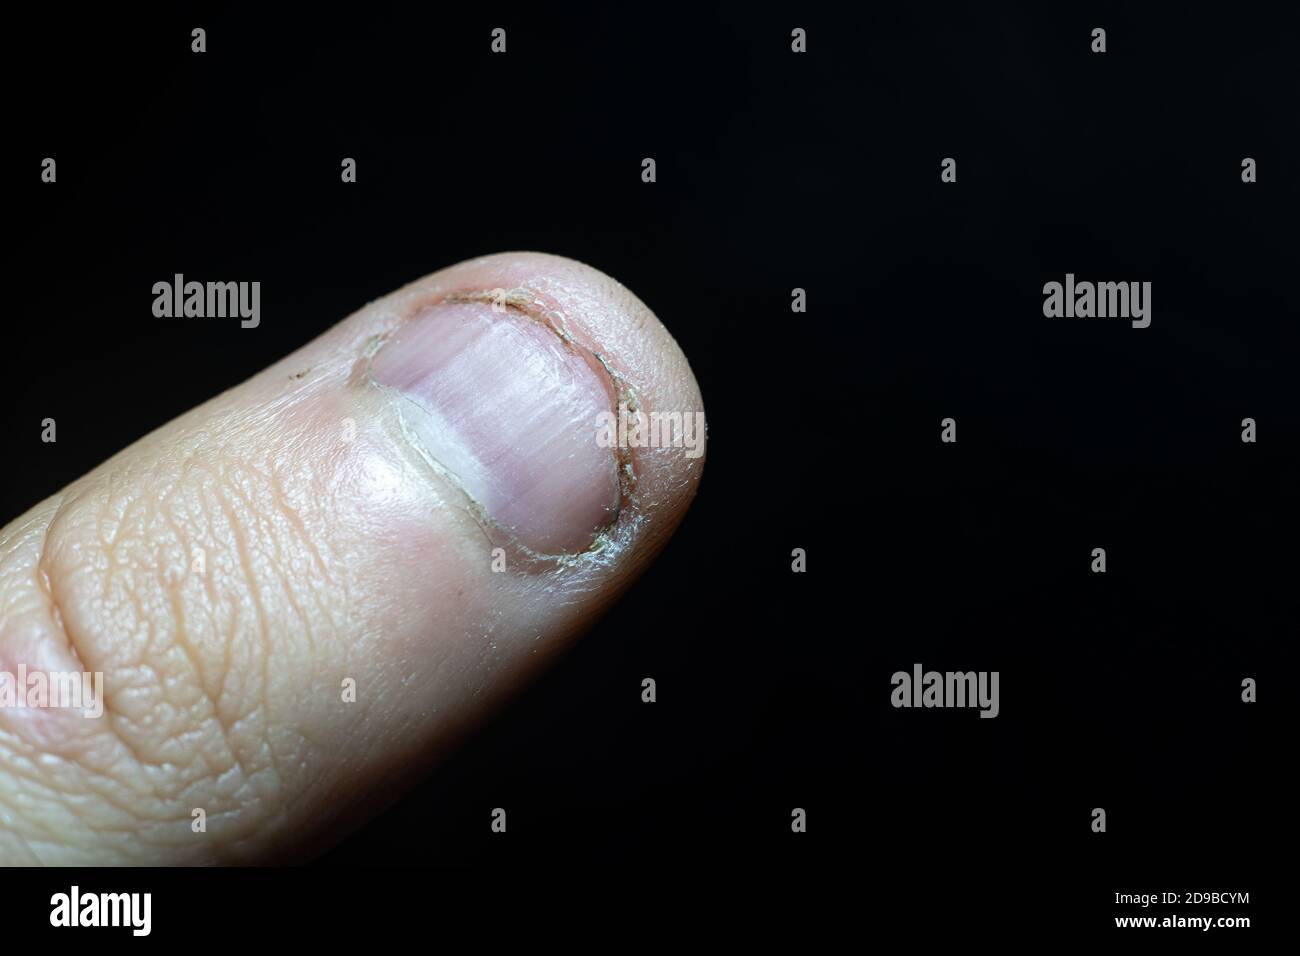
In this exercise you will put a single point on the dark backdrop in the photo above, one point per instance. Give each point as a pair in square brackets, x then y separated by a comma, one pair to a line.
[775, 171]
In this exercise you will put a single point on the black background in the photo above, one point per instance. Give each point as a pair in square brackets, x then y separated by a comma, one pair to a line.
[775, 171]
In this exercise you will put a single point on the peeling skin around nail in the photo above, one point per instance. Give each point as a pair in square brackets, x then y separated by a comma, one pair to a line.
[518, 300]
[609, 541]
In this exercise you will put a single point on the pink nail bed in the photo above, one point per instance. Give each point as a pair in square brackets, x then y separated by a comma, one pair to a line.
[510, 410]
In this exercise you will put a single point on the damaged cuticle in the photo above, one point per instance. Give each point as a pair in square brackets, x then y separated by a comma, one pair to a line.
[461, 396]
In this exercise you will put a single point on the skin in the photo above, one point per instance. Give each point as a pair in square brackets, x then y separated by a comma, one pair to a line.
[332, 552]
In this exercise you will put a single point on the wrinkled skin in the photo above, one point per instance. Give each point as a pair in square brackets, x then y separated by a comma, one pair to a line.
[234, 572]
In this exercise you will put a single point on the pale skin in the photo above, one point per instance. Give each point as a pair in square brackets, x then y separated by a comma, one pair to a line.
[233, 573]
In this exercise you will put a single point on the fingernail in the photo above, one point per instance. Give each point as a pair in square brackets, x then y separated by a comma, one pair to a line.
[509, 410]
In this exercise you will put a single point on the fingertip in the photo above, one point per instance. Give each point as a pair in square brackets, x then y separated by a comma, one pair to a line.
[655, 424]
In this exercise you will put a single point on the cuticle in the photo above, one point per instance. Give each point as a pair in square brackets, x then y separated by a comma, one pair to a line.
[610, 535]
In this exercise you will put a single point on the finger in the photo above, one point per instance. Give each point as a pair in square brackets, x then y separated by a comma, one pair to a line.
[303, 591]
